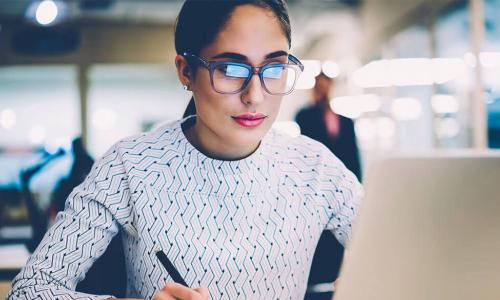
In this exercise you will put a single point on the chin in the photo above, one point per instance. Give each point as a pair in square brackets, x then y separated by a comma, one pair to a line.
[247, 138]
[244, 137]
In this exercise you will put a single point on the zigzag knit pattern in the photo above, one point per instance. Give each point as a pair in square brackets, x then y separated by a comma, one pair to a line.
[245, 229]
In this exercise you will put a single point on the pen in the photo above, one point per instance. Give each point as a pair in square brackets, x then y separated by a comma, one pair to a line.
[172, 271]
[321, 288]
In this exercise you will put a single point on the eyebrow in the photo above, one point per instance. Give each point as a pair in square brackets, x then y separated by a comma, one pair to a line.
[237, 56]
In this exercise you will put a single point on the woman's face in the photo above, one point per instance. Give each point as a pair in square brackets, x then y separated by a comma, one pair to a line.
[252, 35]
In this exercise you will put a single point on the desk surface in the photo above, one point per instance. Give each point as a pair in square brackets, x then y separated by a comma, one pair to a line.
[4, 289]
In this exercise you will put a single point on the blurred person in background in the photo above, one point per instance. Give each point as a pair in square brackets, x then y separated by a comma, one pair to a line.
[237, 206]
[318, 121]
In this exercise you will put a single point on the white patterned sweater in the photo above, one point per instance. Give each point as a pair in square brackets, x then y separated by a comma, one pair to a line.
[245, 229]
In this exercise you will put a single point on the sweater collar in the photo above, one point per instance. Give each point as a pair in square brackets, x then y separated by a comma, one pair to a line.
[254, 162]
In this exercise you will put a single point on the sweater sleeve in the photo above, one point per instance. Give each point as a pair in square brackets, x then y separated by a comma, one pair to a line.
[79, 236]
[344, 194]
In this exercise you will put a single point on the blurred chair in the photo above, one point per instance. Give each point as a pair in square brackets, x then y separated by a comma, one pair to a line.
[37, 218]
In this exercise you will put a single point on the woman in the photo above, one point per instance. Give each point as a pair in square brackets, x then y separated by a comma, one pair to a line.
[238, 208]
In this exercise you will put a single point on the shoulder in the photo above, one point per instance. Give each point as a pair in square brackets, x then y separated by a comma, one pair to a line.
[163, 137]
[346, 120]
[307, 111]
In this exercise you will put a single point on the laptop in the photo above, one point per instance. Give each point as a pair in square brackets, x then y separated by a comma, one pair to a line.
[429, 228]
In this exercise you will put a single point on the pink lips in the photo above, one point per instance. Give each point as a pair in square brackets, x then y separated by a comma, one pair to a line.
[250, 120]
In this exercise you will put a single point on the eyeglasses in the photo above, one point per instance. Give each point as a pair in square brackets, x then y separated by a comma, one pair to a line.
[229, 77]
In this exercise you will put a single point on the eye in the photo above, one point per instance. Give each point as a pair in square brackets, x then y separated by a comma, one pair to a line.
[273, 72]
[233, 71]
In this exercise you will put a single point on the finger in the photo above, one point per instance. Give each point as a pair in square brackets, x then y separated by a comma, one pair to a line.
[163, 295]
[336, 284]
[181, 292]
[204, 292]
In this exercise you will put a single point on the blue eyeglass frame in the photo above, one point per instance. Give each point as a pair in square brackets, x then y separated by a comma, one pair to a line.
[211, 65]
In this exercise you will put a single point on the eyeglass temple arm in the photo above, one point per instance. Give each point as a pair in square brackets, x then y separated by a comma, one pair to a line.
[296, 61]
[198, 59]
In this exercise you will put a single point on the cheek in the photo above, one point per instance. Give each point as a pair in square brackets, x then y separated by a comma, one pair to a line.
[205, 97]
[201, 86]
[274, 106]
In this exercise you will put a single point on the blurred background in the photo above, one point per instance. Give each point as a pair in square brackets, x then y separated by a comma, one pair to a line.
[78, 75]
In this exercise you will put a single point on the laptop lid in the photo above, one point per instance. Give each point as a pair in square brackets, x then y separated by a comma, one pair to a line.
[429, 228]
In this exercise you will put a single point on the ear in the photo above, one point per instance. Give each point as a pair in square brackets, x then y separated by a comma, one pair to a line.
[183, 70]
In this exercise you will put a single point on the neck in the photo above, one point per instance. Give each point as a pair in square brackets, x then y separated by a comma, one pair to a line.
[208, 143]
[322, 102]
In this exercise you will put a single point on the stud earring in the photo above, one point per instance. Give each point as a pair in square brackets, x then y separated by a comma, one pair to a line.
[185, 87]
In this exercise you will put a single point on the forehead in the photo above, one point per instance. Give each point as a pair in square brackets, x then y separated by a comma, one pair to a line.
[252, 31]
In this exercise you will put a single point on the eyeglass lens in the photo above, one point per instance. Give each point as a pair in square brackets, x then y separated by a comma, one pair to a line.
[230, 78]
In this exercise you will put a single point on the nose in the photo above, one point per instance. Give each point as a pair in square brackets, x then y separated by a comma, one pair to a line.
[254, 92]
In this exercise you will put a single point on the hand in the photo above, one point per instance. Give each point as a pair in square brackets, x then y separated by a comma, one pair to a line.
[172, 291]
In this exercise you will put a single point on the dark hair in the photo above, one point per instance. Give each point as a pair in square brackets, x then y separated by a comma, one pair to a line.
[199, 22]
